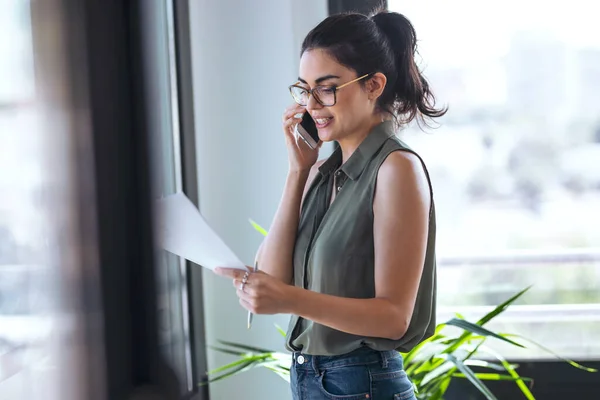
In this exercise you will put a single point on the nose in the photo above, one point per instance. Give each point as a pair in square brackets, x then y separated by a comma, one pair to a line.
[313, 104]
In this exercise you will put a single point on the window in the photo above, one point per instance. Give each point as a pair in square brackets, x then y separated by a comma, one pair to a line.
[25, 284]
[40, 324]
[515, 163]
[179, 297]
[179, 311]
[79, 295]
[172, 301]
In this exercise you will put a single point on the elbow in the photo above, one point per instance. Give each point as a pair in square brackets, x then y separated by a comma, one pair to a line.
[397, 326]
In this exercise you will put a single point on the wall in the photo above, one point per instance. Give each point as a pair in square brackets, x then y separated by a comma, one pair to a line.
[244, 55]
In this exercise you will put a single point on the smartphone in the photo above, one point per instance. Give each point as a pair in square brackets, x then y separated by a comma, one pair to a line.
[307, 130]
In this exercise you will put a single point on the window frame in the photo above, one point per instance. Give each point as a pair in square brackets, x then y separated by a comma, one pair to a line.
[105, 44]
[181, 103]
[189, 185]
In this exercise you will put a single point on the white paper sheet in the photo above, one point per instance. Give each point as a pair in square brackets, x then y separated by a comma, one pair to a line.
[183, 231]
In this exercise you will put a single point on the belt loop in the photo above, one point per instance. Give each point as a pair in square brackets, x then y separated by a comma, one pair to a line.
[315, 364]
[384, 359]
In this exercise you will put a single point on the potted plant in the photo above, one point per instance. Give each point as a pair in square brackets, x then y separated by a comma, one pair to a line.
[431, 365]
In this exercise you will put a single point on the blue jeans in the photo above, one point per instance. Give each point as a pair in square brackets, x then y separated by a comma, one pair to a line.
[360, 374]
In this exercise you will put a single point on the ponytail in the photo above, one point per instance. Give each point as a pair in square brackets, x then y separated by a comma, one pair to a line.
[386, 43]
[408, 94]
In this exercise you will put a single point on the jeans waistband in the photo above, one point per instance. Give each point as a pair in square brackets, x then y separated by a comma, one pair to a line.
[361, 356]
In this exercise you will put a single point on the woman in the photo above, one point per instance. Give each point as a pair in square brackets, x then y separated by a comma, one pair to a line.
[350, 253]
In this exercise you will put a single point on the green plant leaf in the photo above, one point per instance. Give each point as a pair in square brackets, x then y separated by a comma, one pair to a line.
[484, 364]
[225, 350]
[234, 364]
[431, 365]
[502, 307]
[572, 363]
[246, 347]
[437, 372]
[280, 330]
[470, 375]
[252, 361]
[440, 390]
[493, 377]
[415, 353]
[473, 328]
[258, 228]
[511, 370]
[485, 319]
[283, 373]
[234, 368]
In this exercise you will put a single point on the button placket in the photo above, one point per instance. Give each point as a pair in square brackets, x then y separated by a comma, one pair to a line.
[339, 181]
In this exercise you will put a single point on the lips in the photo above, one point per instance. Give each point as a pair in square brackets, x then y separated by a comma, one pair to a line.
[322, 122]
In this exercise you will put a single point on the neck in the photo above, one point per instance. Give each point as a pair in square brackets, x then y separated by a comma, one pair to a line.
[350, 143]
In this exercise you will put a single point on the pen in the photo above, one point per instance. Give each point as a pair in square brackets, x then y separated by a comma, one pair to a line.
[249, 312]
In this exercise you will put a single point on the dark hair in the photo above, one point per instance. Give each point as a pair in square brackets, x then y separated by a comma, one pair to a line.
[385, 42]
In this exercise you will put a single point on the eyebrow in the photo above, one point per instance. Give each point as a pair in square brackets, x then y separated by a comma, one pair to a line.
[321, 79]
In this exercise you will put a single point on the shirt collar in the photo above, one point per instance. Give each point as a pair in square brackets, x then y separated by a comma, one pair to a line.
[363, 154]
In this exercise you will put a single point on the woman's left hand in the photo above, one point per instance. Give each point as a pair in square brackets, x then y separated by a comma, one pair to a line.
[261, 294]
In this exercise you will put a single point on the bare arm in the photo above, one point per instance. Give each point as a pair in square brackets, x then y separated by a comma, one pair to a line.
[401, 208]
[275, 254]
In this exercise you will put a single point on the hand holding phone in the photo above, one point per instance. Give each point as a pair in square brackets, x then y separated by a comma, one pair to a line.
[307, 130]
[297, 124]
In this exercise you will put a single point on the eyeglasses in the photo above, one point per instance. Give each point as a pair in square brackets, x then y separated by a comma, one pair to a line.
[324, 95]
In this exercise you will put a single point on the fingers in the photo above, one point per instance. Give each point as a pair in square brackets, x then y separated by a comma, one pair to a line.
[249, 295]
[251, 283]
[302, 144]
[289, 125]
[243, 294]
[290, 120]
[291, 111]
[232, 273]
[246, 305]
[237, 283]
[247, 299]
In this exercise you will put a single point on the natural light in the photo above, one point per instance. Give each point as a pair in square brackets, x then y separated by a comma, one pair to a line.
[514, 164]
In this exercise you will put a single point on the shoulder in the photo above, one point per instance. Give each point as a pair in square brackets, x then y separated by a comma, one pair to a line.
[401, 161]
[403, 174]
[402, 165]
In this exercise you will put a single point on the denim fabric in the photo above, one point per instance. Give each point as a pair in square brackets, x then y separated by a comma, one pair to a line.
[361, 374]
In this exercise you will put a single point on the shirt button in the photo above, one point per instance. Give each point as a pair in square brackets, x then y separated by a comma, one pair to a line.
[300, 360]
[339, 188]
[338, 173]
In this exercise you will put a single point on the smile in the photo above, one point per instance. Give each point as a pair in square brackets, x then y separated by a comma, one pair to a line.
[322, 122]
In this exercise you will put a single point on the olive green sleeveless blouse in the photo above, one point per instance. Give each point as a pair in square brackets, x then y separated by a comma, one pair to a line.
[334, 249]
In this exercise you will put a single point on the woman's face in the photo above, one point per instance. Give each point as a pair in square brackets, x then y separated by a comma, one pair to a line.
[353, 107]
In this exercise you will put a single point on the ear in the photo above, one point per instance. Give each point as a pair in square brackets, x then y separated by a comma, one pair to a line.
[375, 85]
